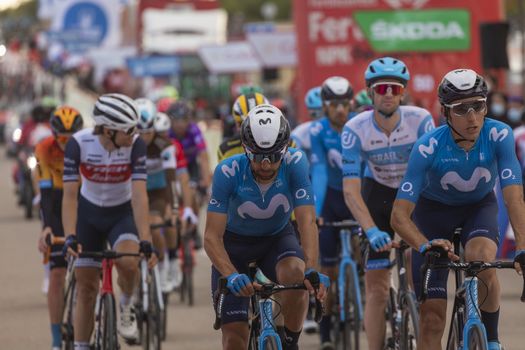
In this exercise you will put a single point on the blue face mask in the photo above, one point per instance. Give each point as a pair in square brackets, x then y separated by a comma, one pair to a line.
[514, 114]
[497, 109]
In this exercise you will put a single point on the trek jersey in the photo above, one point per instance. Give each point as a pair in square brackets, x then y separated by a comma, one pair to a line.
[50, 164]
[106, 176]
[192, 143]
[160, 156]
[442, 171]
[259, 210]
[326, 160]
[386, 156]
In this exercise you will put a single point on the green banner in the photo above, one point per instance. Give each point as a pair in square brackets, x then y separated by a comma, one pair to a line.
[423, 30]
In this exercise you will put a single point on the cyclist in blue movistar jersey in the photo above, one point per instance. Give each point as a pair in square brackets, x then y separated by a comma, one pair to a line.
[325, 136]
[449, 184]
[248, 220]
[301, 133]
[383, 137]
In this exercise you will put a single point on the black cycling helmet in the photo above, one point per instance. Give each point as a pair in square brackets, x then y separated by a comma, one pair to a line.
[43, 109]
[336, 88]
[179, 110]
[459, 84]
[265, 130]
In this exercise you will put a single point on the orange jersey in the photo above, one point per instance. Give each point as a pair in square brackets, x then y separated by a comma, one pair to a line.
[50, 166]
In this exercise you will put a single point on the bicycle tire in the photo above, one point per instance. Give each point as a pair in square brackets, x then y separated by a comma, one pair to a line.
[391, 339]
[254, 324]
[154, 315]
[352, 325]
[68, 334]
[453, 341]
[476, 339]
[409, 323]
[107, 325]
[164, 320]
[271, 343]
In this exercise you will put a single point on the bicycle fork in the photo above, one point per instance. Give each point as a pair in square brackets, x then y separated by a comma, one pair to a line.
[267, 327]
[473, 311]
[346, 260]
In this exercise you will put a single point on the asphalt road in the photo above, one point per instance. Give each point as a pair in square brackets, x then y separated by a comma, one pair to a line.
[23, 313]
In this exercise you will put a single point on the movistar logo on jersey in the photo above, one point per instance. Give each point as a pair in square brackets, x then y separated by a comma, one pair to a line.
[495, 135]
[295, 158]
[251, 209]
[230, 171]
[427, 150]
[416, 30]
[453, 179]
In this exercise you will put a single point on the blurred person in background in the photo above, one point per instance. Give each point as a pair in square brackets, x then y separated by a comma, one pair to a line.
[515, 109]
[497, 104]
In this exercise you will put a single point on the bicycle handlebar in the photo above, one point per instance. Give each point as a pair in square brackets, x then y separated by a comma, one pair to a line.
[107, 254]
[266, 290]
[348, 224]
[54, 240]
[472, 267]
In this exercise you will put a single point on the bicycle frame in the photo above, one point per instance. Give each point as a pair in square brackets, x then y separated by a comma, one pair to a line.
[346, 259]
[469, 295]
[267, 325]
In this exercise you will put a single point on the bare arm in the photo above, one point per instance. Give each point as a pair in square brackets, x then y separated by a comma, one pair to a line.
[214, 244]
[305, 215]
[354, 201]
[204, 165]
[402, 223]
[139, 203]
[513, 197]
[69, 207]
[184, 180]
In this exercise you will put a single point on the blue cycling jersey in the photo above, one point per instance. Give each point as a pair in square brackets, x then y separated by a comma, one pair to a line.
[386, 156]
[326, 160]
[254, 209]
[442, 171]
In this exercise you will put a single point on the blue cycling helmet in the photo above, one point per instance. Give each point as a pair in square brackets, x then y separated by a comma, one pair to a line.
[386, 67]
[312, 99]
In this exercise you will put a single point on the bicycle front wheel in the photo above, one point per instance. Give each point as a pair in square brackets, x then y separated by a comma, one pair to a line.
[154, 327]
[107, 325]
[352, 324]
[271, 343]
[409, 323]
[476, 339]
[67, 319]
[453, 342]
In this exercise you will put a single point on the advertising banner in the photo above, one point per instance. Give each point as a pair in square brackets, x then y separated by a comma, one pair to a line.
[235, 57]
[340, 37]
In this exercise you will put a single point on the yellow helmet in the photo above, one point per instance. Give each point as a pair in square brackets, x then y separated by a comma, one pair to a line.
[66, 119]
[244, 103]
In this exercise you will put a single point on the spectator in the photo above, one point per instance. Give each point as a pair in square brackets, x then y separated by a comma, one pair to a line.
[515, 107]
[497, 104]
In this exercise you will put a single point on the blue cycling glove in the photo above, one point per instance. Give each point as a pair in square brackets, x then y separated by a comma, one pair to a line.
[377, 238]
[323, 279]
[237, 281]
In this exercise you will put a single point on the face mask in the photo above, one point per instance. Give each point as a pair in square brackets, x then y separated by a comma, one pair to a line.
[514, 115]
[497, 108]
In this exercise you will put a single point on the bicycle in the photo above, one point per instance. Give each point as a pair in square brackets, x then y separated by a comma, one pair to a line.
[68, 336]
[402, 312]
[187, 251]
[263, 332]
[466, 331]
[348, 288]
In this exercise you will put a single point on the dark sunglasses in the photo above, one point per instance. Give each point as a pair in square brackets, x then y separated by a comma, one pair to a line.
[130, 131]
[385, 88]
[336, 103]
[260, 157]
[464, 108]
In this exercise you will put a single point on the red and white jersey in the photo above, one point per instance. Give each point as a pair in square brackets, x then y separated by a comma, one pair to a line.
[106, 176]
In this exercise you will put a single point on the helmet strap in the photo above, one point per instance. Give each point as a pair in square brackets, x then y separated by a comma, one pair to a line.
[113, 137]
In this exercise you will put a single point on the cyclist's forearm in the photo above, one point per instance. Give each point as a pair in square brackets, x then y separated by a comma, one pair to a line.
[140, 207]
[355, 202]
[184, 180]
[402, 223]
[204, 166]
[69, 207]
[309, 234]
[516, 209]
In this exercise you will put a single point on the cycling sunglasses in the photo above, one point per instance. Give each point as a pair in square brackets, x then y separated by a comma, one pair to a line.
[464, 108]
[336, 103]
[382, 89]
[261, 157]
[130, 131]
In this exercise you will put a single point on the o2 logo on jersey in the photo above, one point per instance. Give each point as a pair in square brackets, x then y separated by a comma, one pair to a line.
[301, 194]
[230, 171]
[348, 140]
[496, 135]
[507, 174]
[316, 128]
[407, 187]
[295, 158]
[428, 150]
[214, 202]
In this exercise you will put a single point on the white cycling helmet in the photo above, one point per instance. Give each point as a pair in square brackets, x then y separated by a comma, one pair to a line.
[265, 130]
[162, 122]
[116, 111]
[147, 111]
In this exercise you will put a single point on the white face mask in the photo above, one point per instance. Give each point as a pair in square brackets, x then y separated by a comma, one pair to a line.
[514, 114]
[497, 109]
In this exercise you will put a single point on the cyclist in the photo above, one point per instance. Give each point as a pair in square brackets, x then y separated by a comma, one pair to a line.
[383, 137]
[301, 133]
[112, 207]
[248, 219]
[37, 128]
[162, 126]
[363, 102]
[242, 105]
[449, 184]
[325, 136]
[50, 156]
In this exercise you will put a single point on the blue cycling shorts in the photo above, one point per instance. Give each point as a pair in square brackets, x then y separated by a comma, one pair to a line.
[266, 252]
[438, 220]
[334, 209]
[98, 225]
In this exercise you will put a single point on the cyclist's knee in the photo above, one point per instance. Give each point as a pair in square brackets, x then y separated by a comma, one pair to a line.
[87, 288]
[433, 316]
[127, 266]
[377, 285]
[480, 249]
[235, 335]
[290, 270]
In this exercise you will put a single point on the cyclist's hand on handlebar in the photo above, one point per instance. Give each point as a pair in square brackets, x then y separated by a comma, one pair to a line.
[519, 261]
[240, 284]
[147, 249]
[189, 215]
[71, 246]
[42, 244]
[324, 283]
[380, 241]
[445, 244]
